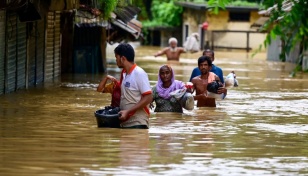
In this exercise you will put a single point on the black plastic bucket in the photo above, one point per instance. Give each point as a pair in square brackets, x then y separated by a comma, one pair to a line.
[105, 119]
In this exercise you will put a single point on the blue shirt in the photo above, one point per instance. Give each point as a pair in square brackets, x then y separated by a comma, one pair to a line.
[215, 69]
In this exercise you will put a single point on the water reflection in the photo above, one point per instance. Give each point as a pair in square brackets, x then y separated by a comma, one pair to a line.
[261, 128]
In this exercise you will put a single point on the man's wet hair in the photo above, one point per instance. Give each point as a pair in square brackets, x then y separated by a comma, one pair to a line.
[203, 59]
[209, 51]
[125, 49]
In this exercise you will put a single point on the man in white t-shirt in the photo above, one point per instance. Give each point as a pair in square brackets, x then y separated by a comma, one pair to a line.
[136, 93]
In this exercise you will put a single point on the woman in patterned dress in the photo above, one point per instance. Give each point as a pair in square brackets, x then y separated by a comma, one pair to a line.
[161, 91]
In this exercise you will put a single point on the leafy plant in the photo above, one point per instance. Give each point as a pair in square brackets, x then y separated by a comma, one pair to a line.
[165, 14]
[291, 26]
[107, 6]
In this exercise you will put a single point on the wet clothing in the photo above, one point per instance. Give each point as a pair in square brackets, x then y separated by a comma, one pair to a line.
[161, 95]
[166, 105]
[115, 89]
[218, 71]
[211, 77]
[165, 92]
[134, 85]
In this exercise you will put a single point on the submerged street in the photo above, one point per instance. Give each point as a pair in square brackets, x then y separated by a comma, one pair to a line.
[259, 129]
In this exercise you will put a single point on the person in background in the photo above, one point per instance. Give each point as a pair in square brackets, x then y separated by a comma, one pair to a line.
[200, 83]
[162, 92]
[136, 93]
[114, 88]
[192, 43]
[218, 71]
[172, 52]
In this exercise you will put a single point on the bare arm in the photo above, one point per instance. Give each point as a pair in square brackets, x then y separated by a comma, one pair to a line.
[162, 52]
[221, 89]
[182, 50]
[144, 101]
[102, 84]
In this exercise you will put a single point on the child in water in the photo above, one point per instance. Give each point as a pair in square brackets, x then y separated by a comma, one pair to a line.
[113, 88]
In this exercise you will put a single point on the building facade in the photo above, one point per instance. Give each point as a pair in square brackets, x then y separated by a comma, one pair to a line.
[37, 41]
[230, 28]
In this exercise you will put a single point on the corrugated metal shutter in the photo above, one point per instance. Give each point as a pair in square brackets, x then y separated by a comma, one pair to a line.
[31, 54]
[40, 51]
[52, 61]
[11, 24]
[36, 53]
[57, 63]
[2, 49]
[21, 50]
[49, 46]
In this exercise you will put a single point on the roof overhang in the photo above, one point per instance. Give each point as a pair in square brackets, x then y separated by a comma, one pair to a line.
[133, 26]
[286, 7]
[242, 9]
[205, 7]
[120, 25]
[191, 5]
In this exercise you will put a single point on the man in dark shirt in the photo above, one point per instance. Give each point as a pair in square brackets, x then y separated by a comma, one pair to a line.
[218, 71]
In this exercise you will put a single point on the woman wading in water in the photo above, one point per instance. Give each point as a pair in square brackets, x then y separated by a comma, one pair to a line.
[164, 95]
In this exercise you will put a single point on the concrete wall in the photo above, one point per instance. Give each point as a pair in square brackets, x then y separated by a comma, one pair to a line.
[274, 50]
[305, 61]
[221, 22]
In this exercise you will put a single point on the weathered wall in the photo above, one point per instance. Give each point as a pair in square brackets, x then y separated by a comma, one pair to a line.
[59, 5]
[221, 22]
[194, 20]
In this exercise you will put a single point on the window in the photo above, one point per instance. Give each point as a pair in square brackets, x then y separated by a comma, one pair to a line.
[239, 16]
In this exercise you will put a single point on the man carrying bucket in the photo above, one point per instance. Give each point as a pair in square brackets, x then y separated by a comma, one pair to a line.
[136, 93]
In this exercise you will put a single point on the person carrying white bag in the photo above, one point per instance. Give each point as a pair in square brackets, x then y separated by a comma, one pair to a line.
[192, 43]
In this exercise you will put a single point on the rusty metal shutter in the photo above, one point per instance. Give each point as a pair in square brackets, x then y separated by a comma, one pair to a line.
[2, 49]
[10, 64]
[53, 41]
[21, 53]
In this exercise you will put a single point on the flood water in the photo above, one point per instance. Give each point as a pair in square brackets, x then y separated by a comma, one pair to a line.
[261, 128]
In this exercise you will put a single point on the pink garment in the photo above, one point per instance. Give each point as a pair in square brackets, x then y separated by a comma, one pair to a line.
[211, 77]
[165, 92]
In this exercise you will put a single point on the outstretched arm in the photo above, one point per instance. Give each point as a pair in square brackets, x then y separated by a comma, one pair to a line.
[102, 84]
[162, 52]
[182, 50]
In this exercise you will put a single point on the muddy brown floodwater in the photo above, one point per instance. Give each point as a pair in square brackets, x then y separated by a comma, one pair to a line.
[259, 129]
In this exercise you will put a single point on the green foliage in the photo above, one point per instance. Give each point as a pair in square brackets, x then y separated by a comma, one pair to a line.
[291, 27]
[165, 14]
[239, 3]
[215, 5]
[143, 14]
[107, 6]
